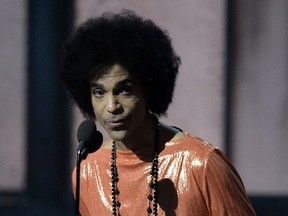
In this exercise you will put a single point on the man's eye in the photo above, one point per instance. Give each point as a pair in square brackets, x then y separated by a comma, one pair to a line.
[127, 90]
[98, 93]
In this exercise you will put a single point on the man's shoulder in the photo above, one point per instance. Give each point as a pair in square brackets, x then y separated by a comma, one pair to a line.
[190, 145]
[194, 142]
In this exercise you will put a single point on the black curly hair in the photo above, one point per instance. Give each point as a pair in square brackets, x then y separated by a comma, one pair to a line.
[138, 45]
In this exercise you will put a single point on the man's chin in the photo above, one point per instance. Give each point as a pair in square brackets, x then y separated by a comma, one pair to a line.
[117, 135]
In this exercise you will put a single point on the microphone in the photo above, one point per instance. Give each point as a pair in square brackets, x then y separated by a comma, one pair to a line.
[89, 138]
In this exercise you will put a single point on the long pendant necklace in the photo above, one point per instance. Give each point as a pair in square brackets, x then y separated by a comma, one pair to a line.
[153, 185]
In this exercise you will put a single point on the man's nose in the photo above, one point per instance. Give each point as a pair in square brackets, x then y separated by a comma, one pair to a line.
[113, 105]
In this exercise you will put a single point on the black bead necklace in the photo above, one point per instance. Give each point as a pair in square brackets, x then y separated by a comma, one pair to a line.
[153, 185]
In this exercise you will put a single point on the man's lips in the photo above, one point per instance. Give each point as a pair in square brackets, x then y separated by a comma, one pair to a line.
[115, 122]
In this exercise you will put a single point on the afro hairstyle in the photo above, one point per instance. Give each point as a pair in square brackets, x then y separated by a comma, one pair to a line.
[124, 38]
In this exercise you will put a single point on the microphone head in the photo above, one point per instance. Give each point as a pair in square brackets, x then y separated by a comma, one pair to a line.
[88, 133]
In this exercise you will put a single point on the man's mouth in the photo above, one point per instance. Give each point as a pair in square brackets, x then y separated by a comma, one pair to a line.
[115, 123]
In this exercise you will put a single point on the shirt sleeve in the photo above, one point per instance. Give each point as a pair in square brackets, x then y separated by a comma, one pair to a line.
[224, 191]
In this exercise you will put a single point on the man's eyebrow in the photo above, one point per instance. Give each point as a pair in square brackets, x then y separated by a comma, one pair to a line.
[94, 84]
[127, 81]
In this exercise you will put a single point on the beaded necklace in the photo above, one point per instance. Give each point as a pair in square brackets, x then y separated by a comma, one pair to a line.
[153, 185]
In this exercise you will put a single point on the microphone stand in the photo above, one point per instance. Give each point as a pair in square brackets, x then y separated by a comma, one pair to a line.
[89, 141]
[79, 158]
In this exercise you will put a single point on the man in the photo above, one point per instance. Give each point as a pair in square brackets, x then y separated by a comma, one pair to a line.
[121, 70]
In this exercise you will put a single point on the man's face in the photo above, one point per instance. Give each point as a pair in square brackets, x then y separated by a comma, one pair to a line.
[119, 103]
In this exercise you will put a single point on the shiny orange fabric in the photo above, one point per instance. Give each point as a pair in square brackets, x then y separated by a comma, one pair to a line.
[195, 178]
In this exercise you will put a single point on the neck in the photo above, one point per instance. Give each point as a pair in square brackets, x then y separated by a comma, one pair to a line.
[142, 142]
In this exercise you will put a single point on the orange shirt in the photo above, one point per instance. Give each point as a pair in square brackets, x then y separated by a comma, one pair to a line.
[195, 178]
